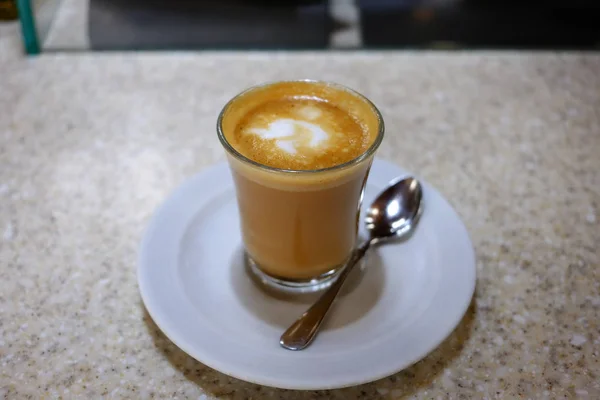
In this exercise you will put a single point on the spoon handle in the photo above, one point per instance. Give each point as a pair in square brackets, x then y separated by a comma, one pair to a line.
[302, 332]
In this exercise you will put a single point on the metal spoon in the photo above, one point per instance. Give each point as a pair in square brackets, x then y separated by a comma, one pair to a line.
[393, 214]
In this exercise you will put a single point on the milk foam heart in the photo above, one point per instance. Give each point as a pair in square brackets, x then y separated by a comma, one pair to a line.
[292, 132]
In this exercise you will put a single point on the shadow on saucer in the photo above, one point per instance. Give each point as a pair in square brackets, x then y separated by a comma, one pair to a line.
[358, 296]
[404, 384]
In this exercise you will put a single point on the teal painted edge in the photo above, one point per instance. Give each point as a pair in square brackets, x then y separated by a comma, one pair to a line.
[28, 29]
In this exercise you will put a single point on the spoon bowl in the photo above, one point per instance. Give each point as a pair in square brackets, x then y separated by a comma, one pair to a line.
[395, 210]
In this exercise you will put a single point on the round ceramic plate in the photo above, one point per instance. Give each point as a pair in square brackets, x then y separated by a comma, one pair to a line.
[403, 304]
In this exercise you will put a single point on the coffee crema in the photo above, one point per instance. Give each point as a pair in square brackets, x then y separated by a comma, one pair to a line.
[287, 128]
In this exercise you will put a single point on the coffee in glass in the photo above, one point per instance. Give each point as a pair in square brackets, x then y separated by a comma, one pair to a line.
[299, 153]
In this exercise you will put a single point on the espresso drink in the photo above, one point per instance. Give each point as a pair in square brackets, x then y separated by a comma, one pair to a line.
[300, 153]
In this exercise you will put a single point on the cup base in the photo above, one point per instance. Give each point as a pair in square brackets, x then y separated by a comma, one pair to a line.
[308, 285]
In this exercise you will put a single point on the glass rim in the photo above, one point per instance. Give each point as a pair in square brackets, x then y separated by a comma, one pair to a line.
[366, 154]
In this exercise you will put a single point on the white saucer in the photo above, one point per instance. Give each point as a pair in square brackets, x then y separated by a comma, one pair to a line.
[408, 300]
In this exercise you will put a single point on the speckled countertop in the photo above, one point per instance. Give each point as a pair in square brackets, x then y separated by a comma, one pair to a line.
[91, 143]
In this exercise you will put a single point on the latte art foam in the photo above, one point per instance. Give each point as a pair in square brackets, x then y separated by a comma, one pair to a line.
[292, 133]
[303, 133]
[300, 126]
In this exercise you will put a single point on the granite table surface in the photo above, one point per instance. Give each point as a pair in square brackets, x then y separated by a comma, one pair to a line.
[90, 144]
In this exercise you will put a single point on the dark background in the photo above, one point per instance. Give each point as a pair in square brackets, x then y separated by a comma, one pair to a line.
[307, 24]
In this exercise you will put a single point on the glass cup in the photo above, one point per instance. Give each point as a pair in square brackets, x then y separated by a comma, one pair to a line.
[299, 227]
